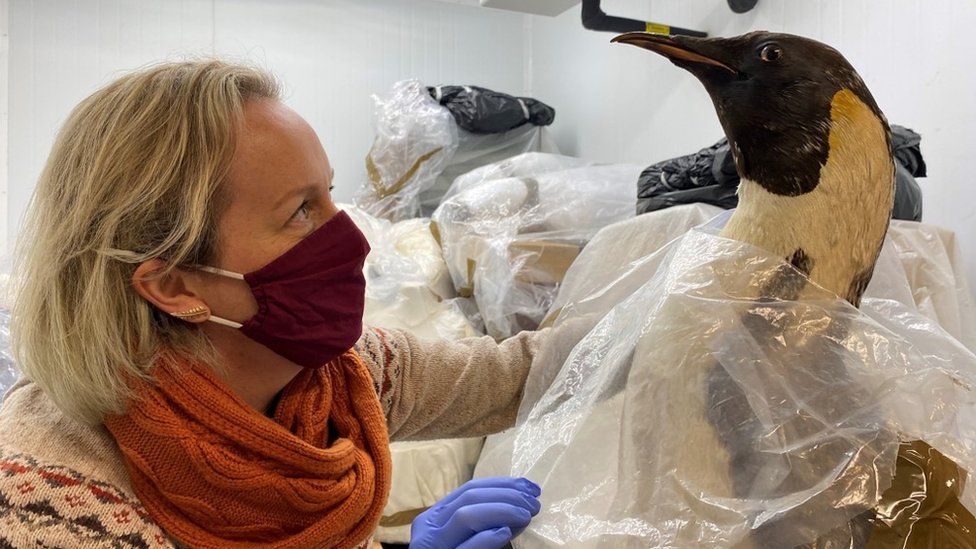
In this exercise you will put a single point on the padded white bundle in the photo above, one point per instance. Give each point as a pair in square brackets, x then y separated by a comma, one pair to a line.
[524, 165]
[535, 197]
[424, 472]
[633, 436]
[407, 283]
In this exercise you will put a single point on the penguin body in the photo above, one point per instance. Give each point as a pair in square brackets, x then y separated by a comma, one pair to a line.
[817, 184]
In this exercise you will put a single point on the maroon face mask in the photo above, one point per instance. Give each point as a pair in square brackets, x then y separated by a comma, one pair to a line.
[310, 299]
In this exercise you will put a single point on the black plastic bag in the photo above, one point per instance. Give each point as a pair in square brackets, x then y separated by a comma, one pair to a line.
[909, 164]
[484, 111]
[709, 176]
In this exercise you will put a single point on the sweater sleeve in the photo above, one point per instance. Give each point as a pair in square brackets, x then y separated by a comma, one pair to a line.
[440, 389]
[63, 484]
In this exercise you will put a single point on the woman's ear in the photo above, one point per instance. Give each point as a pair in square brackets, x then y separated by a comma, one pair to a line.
[169, 293]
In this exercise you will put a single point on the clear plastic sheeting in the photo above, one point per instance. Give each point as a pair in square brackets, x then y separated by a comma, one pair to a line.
[696, 413]
[8, 370]
[933, 267]
[415, 140]
[510, 231]
[407, 283]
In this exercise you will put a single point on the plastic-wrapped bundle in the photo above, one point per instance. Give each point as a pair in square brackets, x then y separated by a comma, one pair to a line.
[477, 150]
[524, 165]
[424, 472]
[419, 150]
[408, 287]
[508, 239]
[696, 414]
[415, 139]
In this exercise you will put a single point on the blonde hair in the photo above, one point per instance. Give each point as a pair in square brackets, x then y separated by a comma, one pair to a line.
[133, 175]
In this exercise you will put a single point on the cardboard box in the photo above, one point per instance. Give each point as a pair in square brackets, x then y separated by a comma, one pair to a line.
[545, 261]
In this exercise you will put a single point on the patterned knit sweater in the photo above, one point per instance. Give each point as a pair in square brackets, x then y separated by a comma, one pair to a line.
[63, 484]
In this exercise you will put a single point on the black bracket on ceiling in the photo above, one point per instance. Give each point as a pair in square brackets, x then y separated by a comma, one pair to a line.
[595, 19]
[742, 6]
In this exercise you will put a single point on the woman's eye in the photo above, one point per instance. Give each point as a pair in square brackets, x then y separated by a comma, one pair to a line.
[331, 188]
[770, 52]
[301, 214]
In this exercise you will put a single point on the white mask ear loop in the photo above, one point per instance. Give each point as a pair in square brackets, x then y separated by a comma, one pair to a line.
[223, 321]
[221, 272]
[229, 274]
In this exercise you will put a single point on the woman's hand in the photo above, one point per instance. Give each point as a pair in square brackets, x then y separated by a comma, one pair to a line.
[484, 513]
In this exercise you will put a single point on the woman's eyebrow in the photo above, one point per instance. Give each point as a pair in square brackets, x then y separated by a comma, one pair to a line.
[297, 191]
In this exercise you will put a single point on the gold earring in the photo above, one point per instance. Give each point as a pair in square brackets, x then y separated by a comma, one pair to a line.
[190, 313]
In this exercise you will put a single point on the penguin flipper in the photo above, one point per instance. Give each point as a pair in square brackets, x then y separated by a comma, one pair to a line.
[805, 424]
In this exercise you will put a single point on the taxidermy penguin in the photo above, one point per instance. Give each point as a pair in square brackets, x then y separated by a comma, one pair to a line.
[813, 151]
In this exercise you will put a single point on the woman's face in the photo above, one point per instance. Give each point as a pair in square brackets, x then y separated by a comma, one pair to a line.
[277, 192]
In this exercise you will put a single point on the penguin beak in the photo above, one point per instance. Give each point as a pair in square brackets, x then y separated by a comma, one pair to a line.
[696, 55]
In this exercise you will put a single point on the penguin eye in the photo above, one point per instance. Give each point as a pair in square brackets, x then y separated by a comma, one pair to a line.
[770, 53]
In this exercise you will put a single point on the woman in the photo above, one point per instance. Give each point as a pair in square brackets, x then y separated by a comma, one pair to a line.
[189, 325]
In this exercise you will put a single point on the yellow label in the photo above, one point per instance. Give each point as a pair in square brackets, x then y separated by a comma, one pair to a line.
[658, 28]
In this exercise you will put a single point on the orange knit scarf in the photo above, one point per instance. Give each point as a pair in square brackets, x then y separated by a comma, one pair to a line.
[214, 472]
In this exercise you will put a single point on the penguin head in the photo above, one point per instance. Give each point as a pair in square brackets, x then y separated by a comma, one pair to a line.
[773, 94]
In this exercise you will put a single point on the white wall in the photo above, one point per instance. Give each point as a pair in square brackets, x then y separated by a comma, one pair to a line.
[4, 110]
[331, 54]
[618, 103]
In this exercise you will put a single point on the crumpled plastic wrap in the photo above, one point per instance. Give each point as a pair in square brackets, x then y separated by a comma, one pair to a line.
[696, 414]
[415, 140]
[407, 283]
[419, 150]
[510, 230]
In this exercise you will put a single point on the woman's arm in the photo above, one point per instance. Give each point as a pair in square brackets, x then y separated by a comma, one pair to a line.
[440, 389]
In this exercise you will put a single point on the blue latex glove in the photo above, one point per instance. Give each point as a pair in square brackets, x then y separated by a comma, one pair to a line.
[482, 514]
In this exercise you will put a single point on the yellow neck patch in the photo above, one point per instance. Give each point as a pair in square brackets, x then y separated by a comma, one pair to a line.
[847, 109]
[841, 223]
